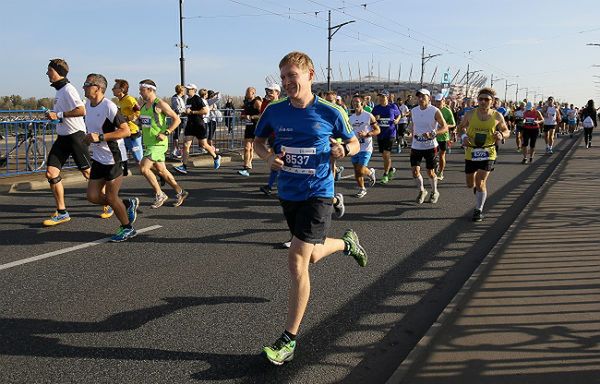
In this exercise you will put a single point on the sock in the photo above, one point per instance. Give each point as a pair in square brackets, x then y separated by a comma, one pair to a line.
[127, 203]
[126, 226]
[419, 181]
[215, 156]
[434, 182]
[272, 178]
[288, 336]
[61, 211]
[480, 196]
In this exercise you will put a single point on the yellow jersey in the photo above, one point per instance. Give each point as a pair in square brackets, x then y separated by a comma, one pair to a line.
[481, 135]
[129, 107]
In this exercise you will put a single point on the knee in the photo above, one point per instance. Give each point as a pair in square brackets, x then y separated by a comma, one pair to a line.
[416, 173]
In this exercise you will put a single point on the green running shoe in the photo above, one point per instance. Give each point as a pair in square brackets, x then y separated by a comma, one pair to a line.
[280, 352]
[385, 179]
[391, 174]
[354, 248]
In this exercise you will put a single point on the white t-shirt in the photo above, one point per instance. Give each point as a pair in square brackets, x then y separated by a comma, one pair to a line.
[403, 110]
[362, 123]
[67, 99]
[423, 122]
[104, 118]
[550, 116]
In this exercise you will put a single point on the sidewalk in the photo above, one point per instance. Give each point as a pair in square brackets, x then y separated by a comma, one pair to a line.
[531, 312]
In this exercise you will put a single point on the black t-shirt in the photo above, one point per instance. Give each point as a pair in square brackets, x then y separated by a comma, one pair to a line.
[195, 103]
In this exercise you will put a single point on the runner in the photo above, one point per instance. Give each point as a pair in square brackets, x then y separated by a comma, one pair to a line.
[402, 124]
[250, 114]
[551, 118]
[365, 127]
[70, 141]
[479, 135]
[304, 127]
[128, 106]
[155, 136]
[107, 127]
[532, 120]
[196, 108]
[272, 92]
[519, 119]
[427, 123]
[387, 115]
[178, 105]
[572, 120]
[589, 120]
[331, 96]
[443, 139]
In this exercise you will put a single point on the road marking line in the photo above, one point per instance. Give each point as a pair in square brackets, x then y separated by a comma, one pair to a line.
[62, 251]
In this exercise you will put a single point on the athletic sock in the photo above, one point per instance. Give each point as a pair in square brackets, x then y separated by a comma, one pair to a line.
[61, 211]
[127, 203]
[126, 226]
[419, 181]
[480, 197]
[434, 182]
[288, 336]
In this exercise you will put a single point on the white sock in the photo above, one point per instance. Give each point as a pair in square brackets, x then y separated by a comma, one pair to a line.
[480, 197]
[434, 181]
[419, 181]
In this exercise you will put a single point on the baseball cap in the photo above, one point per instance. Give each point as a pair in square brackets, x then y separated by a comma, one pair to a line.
[439, 97]
[423, 91]
[191, 86]
[274, 87]
[383, 93]
[528, 106]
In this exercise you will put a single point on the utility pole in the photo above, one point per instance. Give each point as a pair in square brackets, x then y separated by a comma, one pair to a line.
[469, 72]
[332, 30]
[517, 93]
[506, 90]
[492, 80]
[425, 59]
[181, 45]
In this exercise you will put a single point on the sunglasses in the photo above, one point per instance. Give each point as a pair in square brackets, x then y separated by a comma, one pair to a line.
[484, 99]
[88, 84]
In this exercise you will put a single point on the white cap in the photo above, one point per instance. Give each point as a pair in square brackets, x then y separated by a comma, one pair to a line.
[439, 97]
[423, 91]
[274, 87]
[191, 86]
[338, 97]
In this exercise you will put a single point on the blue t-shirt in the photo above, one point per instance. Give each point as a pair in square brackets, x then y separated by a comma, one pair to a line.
[302, 135]
[501, 110]
[387, 114]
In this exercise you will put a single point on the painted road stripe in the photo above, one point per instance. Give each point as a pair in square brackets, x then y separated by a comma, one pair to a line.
[63, 251]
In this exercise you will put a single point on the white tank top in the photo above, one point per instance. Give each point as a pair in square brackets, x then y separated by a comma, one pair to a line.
[423, 122]
[550, 116]
[362, 123]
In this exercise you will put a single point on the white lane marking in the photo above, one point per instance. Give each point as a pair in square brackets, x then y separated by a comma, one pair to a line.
[62, 251]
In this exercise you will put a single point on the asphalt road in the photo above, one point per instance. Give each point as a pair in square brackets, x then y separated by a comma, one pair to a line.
[195, 299]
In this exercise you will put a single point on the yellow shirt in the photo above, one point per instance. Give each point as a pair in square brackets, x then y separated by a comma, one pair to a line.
[481, 136]
[129, 107]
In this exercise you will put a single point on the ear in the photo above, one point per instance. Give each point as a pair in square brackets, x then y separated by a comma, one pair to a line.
[311, 74]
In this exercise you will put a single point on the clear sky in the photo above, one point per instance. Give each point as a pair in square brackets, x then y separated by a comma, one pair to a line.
[541, 45]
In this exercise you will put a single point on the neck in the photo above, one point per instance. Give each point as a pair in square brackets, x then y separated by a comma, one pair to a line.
[95, 100]
[483, 109]
[423, 106]
[302, 101]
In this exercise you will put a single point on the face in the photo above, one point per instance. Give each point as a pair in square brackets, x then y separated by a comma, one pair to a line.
[190, 92]
[250, 93]
[484, 101]
[383, 100]
[296, 82]
[116, 90]
[272, 94]
[145, 93]
[357, 103]
[330, 97]
[52, 75]
[423, 99]
[438, 104]
[90, 88]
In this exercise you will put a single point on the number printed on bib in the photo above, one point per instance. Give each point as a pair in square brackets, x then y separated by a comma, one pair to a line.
[299, 160]
[145, 121]
[480, 154]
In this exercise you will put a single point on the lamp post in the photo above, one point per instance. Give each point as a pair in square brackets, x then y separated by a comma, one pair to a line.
[469, 72]
[332, 30]
[492, 80]
[181, 45]
[506, 89]
[425, 59]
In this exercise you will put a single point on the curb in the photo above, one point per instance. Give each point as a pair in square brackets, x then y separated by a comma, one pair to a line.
[454, 307]
[38, 182]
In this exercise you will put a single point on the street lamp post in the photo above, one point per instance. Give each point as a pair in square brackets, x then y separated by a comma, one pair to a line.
[425, 59]
[181, 45]
[332, 30]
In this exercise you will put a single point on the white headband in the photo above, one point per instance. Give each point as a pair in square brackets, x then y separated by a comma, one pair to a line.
[149, 86]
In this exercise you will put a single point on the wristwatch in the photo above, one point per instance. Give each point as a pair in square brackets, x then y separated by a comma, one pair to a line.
[101, 137]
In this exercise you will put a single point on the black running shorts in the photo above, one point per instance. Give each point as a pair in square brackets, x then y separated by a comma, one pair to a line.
[443, 146]
[385, 144]
[249, 132]
[474, 166]
[107, 172]
[198, 131]
[430, 156]
[70, 145]
[548, 128]
[308, 220]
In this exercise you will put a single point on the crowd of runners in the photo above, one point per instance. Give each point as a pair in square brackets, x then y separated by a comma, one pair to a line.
[301, 137]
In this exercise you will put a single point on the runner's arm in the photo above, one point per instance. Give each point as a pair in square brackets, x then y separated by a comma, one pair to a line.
[375, 126]
[442, 126]
[504, 131]
[168, 111]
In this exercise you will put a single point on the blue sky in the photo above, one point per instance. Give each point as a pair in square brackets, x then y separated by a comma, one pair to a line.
[541, 45]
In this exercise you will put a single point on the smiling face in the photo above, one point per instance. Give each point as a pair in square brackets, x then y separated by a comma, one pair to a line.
[297, 82]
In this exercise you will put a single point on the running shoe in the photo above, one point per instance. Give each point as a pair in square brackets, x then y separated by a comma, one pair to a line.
[361, 193]
[339, 208]
[107, 212]
[217, 162]
[181, 169]
[159, 200]
[354, 249]
[338, 173]
[134, 203]
[391, 174]
[266, 190]
[433, 197]
[550, 151]
[181, 196]
[530, 160]
[280, 351]
[287, 244]
[524, 161]
[56, 219]
[123, 234]
[477, 215]
[385, 179]
[440, 176]
[244, 172]
[421, 196]
[176, 154]
[372, 177]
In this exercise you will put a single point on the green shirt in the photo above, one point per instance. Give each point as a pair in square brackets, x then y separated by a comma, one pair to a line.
[152, 123]
[449, 119]
[368, 108]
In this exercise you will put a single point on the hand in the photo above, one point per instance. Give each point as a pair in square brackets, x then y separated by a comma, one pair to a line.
[275, 161]
[161, 137]
[51, 115]
[337, 150]
[498, 135]
[363, 134]
[92, 138]
[188, 111]
[466, 142]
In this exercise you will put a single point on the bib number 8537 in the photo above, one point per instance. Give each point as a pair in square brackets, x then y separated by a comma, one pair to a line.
[299, 160]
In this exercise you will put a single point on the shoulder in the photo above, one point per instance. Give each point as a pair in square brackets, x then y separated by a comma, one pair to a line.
[327, 106]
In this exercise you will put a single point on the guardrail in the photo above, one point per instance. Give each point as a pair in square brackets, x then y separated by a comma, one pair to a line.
[26, 138]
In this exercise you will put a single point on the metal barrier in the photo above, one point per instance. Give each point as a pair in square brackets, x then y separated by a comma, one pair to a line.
[26, 138]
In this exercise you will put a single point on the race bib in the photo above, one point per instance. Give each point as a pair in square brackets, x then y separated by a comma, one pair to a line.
[480, 154]
[302, 161]
[145, 121]
[530, 121]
